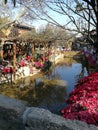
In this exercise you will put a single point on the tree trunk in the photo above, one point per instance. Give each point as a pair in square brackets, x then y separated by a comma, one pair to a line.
[97, 29]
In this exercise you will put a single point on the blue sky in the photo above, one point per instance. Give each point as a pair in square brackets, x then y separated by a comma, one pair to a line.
[40, 23]
[59, 18]
[62, 19]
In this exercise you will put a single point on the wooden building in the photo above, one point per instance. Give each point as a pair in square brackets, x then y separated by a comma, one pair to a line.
[9, 46]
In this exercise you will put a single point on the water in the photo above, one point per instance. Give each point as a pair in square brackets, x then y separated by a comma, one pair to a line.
[48, 90]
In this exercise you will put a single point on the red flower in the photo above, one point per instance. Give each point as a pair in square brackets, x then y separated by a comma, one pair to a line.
[84, 101]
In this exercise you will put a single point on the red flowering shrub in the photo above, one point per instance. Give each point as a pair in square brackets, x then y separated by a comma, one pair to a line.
[83, 101]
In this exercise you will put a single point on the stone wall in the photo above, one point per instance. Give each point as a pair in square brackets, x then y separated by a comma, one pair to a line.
[16, 115]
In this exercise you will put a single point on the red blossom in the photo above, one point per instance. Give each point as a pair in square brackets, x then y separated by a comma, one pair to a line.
[83, 101]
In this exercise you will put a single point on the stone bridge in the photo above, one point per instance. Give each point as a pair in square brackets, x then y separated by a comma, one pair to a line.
[17, 115]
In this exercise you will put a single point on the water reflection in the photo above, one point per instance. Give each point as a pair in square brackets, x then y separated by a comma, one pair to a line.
[48, 90]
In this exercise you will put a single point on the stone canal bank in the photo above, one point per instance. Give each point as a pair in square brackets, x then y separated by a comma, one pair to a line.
[17, 115]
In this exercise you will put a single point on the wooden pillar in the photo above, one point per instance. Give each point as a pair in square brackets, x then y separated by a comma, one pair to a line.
[54, 53]
[48, 51]
[45, 49]
[1, 50]
[14, 62]
[33, 52]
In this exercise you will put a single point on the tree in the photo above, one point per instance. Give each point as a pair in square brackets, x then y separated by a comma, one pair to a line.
[73, 11]
[55, 34]
[85, 11]
[16, 14]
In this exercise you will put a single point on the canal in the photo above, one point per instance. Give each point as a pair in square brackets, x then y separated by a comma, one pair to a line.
[48, 90]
